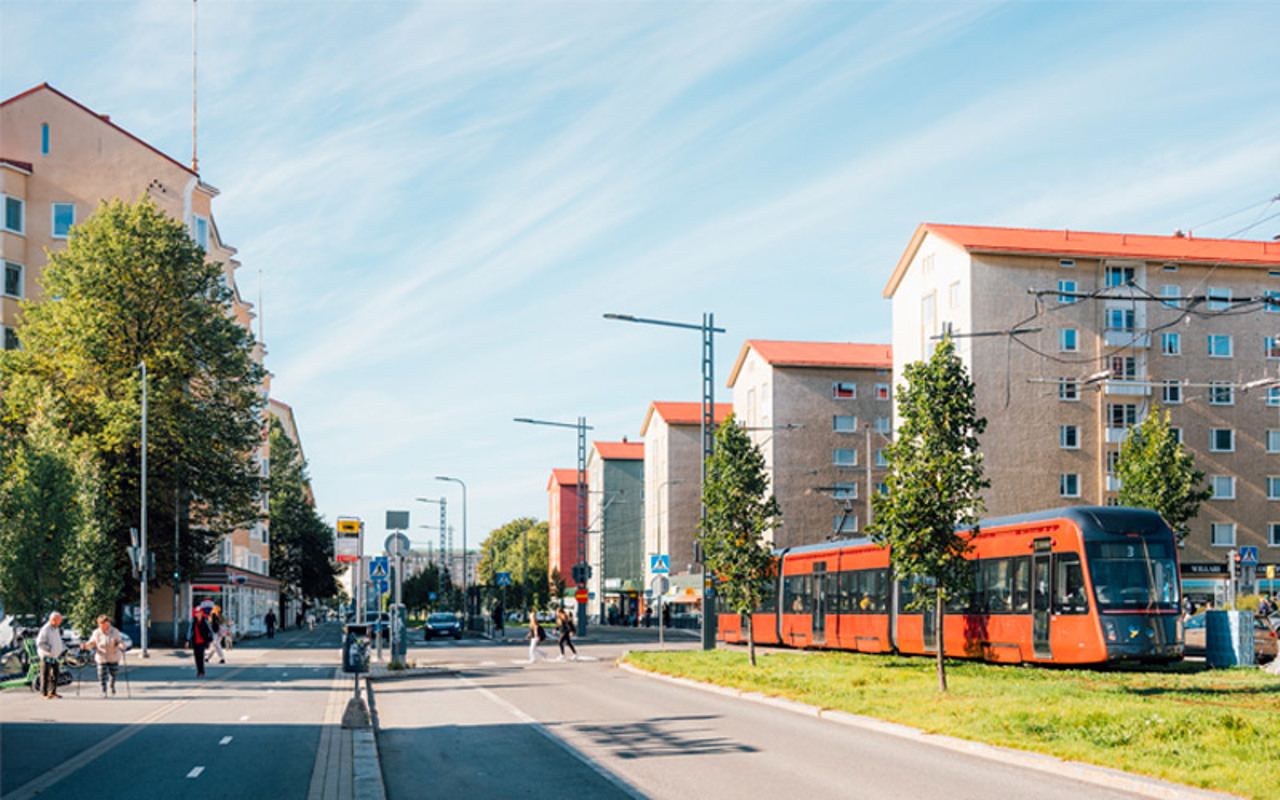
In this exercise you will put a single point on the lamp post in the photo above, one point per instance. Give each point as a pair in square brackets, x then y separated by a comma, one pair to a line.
[465, 599]
[444, 529]
[143, 561]
[581, 567]
[709, 330]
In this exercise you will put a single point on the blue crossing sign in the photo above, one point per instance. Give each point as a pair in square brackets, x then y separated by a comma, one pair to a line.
[660, 564]
[378, 568]
[1249, 555]
[504, 578]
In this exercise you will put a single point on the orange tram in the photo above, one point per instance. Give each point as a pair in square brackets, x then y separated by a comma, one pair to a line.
[1081, 585]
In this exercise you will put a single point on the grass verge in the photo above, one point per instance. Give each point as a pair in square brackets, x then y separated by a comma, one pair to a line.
[1213, 729]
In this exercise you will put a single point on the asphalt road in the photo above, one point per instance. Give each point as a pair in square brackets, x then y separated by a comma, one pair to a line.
[499, 726]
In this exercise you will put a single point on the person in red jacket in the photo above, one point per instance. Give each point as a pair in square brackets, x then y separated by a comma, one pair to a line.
[200, 637]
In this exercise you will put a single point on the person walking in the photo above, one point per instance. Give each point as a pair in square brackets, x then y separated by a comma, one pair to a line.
[50, 648]
[536, 637]
[564, 626]
[107, 647]
[200, 638]
[218, 629]
[499, 617]
[270, 621]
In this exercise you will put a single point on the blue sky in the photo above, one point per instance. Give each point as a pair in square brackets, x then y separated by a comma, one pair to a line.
[442, 199]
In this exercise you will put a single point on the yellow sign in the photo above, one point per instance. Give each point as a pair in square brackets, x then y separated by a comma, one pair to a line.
[1271, 572]
[349, 526]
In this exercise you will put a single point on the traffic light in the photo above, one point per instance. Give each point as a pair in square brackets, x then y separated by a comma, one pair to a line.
[581, 573]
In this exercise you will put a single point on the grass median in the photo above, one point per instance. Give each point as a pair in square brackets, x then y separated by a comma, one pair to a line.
[1213, 729]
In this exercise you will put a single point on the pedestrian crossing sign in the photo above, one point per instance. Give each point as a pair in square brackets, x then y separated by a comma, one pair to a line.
[660, 564]
[378, 568]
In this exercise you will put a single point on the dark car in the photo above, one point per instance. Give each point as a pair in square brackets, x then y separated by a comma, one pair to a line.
[441, 625]
[1265, 637]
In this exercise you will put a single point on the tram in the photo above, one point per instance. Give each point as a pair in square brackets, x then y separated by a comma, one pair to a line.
[1079, 585]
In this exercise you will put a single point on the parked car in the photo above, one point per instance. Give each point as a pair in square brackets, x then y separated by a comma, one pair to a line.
[441, 624]
[1266, 637]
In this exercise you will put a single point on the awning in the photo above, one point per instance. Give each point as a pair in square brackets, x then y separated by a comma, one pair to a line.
[682, 598]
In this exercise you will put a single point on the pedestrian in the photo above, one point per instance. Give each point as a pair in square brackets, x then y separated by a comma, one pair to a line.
[50, 647]
[648, 616]
[270, 622]
[107, 647]
[536, 637]
[219, 630]
[666, 616]
[1188, 607]
[200, 637]
[311, 622]
[499, 621]
[565, 630]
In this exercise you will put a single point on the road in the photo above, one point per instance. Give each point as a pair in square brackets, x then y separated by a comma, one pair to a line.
[499, 726]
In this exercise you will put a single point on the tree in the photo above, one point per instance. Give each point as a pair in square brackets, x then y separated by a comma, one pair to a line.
[934, 481]
[739, 510]
[301, 543]
[1155, 472]
[132, 287]
[521, 547]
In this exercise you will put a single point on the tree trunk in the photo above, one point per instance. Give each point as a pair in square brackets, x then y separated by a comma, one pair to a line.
[941, 620]
[751, 640]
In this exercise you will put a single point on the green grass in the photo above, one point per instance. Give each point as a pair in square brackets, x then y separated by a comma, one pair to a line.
[1213, 729]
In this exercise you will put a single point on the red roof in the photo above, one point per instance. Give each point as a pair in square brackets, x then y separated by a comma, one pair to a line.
[1067, 243]
[564, 477]
[620, 451]
[683, 413]
[815, 354]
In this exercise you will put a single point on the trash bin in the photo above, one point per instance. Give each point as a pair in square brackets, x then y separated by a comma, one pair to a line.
[1228, 638]
[355, 653]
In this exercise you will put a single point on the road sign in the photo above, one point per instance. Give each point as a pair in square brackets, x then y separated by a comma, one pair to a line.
[397, 520]
[660, 564]
[660, 584]
[1248, 555]
[1271, 572]
[504, 578]
[581, 595]
[349, 526]
[382, 585]
[378, 568]
[397, 544]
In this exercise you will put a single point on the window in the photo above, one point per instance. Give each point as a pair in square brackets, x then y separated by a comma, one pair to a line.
[844, 391]
[1177, 434]
[881, 459]
[1273, 395]
[1273, 441]
[1171, 393]
[10, 339]
[1067, 390]
[1221, 394]
[1273, 534]
[1065, 291]
[1219, 299]
[845, 491]
[44, 138]
[200, 231]
[845, 457]
[882, 391]
[64, 216]
[12, 279]
[1120, 276]
[1069, 484]
[1171, 344]
[14, 215]
[882, 425]
[1113, 458]
[1222, 440]
[1220, 345]
[955, 294]
[845, 523]
[1223, 534]
[1124, 368]
[1271, 346]
[1271, 301]
[844, 423]
[1069, 437]
[1066, 262]
[1122, 415]
[1172, 293]
[1120, 319]
[882, 487]
[1223, 486]
[1069, 596]
[1273, 488]
[1067, 340]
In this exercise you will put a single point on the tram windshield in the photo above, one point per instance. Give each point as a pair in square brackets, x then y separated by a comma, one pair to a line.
[1134, 574]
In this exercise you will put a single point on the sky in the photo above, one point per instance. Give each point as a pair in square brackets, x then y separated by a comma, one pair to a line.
[437, 202]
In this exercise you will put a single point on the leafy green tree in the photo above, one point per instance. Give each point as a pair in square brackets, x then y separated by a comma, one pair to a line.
[740, 509]
[301, 542]
[521, 547]
[132, 287]
[934, 483]
[1155, 472]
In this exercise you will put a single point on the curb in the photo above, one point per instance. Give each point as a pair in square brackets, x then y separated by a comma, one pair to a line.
[1077, 770]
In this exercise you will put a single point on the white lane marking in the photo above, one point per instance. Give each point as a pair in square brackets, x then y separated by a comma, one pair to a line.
[225, 740]
[283, 675]
[195, 773]
[244, 718]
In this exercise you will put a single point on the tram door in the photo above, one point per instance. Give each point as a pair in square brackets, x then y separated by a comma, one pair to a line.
[820, 602]
[1040, 594]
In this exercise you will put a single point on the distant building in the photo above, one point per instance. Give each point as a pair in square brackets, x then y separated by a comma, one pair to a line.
[562, 529]
[615, 519]
[1072, 337]
[821, 413]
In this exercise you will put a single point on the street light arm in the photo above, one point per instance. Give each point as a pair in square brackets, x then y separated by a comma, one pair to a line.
[529, 421]
[645, 321]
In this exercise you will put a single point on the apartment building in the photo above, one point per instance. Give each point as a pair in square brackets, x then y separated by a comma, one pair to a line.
[58, 161]
[1072, 337]
[821, 414]
[562, 528]
[615, 524]
[673, 484]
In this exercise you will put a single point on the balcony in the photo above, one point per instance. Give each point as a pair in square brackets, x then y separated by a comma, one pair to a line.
[1117, 435]
[1139, 388]
[1126, 337]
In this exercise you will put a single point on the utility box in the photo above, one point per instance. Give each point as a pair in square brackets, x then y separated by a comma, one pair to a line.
[1228, 638]
[355, 653]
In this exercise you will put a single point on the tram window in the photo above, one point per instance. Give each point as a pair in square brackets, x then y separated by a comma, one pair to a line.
[995, 586]
[845, 585]
[866, 591]
[798, 599]
[768, 599]
[1022, 585]
[1068, 585]
[905, 596]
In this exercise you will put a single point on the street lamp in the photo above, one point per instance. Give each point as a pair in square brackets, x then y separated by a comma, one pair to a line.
[581, 567]
[709, 330]
[144, 561]
[465, 599]
[444, 527]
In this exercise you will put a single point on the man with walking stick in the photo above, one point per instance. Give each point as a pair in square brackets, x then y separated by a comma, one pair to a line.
[108, 648]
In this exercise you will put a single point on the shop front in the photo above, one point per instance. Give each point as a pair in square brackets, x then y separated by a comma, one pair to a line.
[245, 597]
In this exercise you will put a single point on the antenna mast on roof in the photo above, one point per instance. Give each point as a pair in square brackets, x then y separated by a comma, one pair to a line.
[195, 164]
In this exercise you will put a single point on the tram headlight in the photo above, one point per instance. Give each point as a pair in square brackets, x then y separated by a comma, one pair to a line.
[1109, 628]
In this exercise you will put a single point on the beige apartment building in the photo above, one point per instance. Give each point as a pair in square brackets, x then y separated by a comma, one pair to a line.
[58, 162]
[821, 413]
[673, 487]
[1072, 337]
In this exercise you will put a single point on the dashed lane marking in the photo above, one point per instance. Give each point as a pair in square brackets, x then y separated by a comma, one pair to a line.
[195, 772]
[225, 740]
